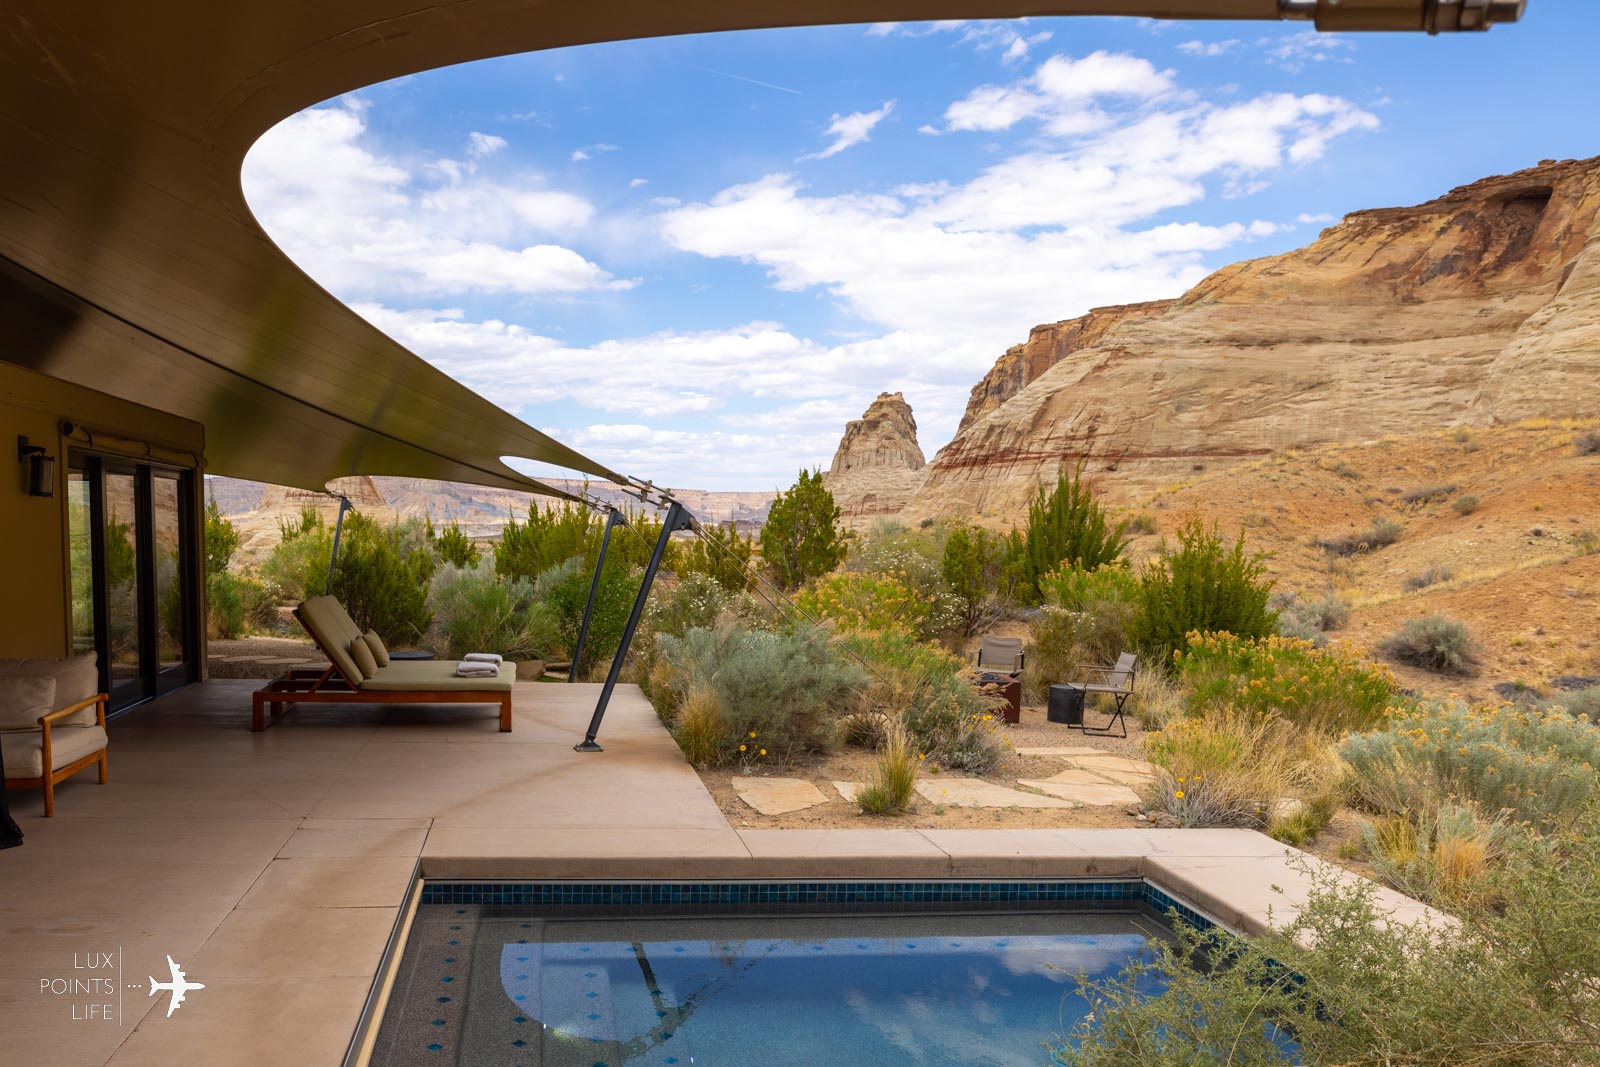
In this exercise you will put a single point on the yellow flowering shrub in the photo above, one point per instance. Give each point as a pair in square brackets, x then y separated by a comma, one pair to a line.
[1331, 690]
[858, 601]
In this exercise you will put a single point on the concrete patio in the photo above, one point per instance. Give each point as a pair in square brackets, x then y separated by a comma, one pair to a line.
[273, 866]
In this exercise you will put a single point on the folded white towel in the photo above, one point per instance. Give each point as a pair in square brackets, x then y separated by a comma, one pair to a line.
[477, 670]
[482, 657]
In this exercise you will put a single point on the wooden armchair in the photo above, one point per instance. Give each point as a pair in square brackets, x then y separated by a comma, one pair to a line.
[52, 729]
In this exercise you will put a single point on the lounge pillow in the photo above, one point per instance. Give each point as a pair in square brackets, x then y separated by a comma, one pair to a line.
[375, 643]
[23, 701]
[365, 662]
[77, 679]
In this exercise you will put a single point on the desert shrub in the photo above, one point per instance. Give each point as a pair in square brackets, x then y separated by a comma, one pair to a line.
[1234, 770]
[858, 601]
[381, 577]
[695, 600]
[894, 776]
[699, 728]
[1534, 765]
[1086, 618]
[950, 721]
[1434, 643]
[790, 687]
[1066, 525]
[547, 538]
[234, 606]
[971, 565]
[1433, 575]
[455, 548]
[1156, 701]
[564, 588]
[1444, 856]
[1587, 444]
[297, 567]
[1586, 543]
[719, 553]
[1465, 505]
[1329, 691]
[476, 611]
[1142, 522]
[222, 540]
[1381, 533]
[1581, 702]
[1427, 494]
[1052, 650]
[1202, 587]
[1510, 986]
[801, 538]
[1308, 620]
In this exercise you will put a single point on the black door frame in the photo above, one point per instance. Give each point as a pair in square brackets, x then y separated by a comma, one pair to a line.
[152, 680]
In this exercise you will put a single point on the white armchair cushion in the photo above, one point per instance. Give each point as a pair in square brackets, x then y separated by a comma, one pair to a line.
[23, 701]
[25, 751]
[77, 679]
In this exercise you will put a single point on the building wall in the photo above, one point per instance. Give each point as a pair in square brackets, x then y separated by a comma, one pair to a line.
[35, 584]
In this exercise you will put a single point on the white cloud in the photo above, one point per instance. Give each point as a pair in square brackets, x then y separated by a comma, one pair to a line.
[1005, 36]
[362, 223]
[637, 182]
[1210, 49]
[1306, 219]
[579, 155]
[1299, 50]
[850, 130]
[480, 145]
[1066, 93]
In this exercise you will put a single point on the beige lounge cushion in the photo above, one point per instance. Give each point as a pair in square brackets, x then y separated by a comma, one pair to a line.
[77, 679]
[409, 675]
[361, 652]
[25, 752]
[379, 651]
[23, 701]
[324, 619]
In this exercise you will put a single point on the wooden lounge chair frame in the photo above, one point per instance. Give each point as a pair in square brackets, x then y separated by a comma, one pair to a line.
[1119, 679]
[49, 779]
[307, 686]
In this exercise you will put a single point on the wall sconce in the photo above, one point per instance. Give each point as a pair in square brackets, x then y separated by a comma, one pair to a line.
[41, 468]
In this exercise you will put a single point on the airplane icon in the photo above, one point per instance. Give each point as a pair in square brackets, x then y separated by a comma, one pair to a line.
[178, 986]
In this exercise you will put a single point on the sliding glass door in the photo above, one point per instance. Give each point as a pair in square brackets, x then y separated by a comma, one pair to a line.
[132, 553]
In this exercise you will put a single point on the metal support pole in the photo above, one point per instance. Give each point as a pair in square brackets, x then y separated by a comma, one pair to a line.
[613, 519]
[338, 528]
[677, 519]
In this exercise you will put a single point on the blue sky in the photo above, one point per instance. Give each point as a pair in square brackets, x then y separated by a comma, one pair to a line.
[695, 258]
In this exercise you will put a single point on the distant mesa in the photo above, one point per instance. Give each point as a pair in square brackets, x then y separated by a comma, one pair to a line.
[879, 462]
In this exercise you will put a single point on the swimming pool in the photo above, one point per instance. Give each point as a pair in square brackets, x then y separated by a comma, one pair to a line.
[848, 974]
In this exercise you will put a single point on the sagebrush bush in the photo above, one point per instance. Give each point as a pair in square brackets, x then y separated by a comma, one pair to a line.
[1581, 702]
[695, 600]
[1434, 574]
[1201, 587]
[1381, 533]
[1428, 494]
[1434, 643]
[1330, 691]
[1587, 444]
[1309, 620]
[1465, 505]
[477, 611]
[1535, 765]
[791, 687]
[933, 693]
[1512, 986]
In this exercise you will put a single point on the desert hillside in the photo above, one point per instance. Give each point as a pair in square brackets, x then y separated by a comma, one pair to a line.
[1521, 567]
[1479, 308]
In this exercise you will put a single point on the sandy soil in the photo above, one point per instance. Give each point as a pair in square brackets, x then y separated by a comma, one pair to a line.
[854, 765]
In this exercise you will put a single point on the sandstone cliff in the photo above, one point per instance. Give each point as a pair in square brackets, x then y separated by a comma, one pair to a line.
[1480, 306]
[879, 463]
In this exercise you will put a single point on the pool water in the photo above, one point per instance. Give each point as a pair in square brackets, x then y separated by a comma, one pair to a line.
[914, 989]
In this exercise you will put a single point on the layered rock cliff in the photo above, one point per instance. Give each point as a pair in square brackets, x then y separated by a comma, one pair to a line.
[1480, 306]
[879, 463]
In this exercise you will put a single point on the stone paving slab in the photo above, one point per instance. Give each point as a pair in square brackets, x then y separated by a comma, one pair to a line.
[977, 793]
[1056, 750]
[1119, 769]
[778, 796]
[1084, 787]
[848, 790]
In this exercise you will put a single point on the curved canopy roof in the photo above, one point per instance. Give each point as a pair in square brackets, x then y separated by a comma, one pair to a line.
[132, 264]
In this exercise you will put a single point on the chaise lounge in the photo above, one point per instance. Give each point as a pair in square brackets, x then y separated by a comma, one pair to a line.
[386, 682]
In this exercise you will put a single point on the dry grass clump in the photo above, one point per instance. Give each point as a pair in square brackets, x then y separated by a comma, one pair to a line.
[894, 776]
[1465, 505]
[1444, 856]
[1587, 444]
[1427, 494]
[1434, 575]
[699, 729]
